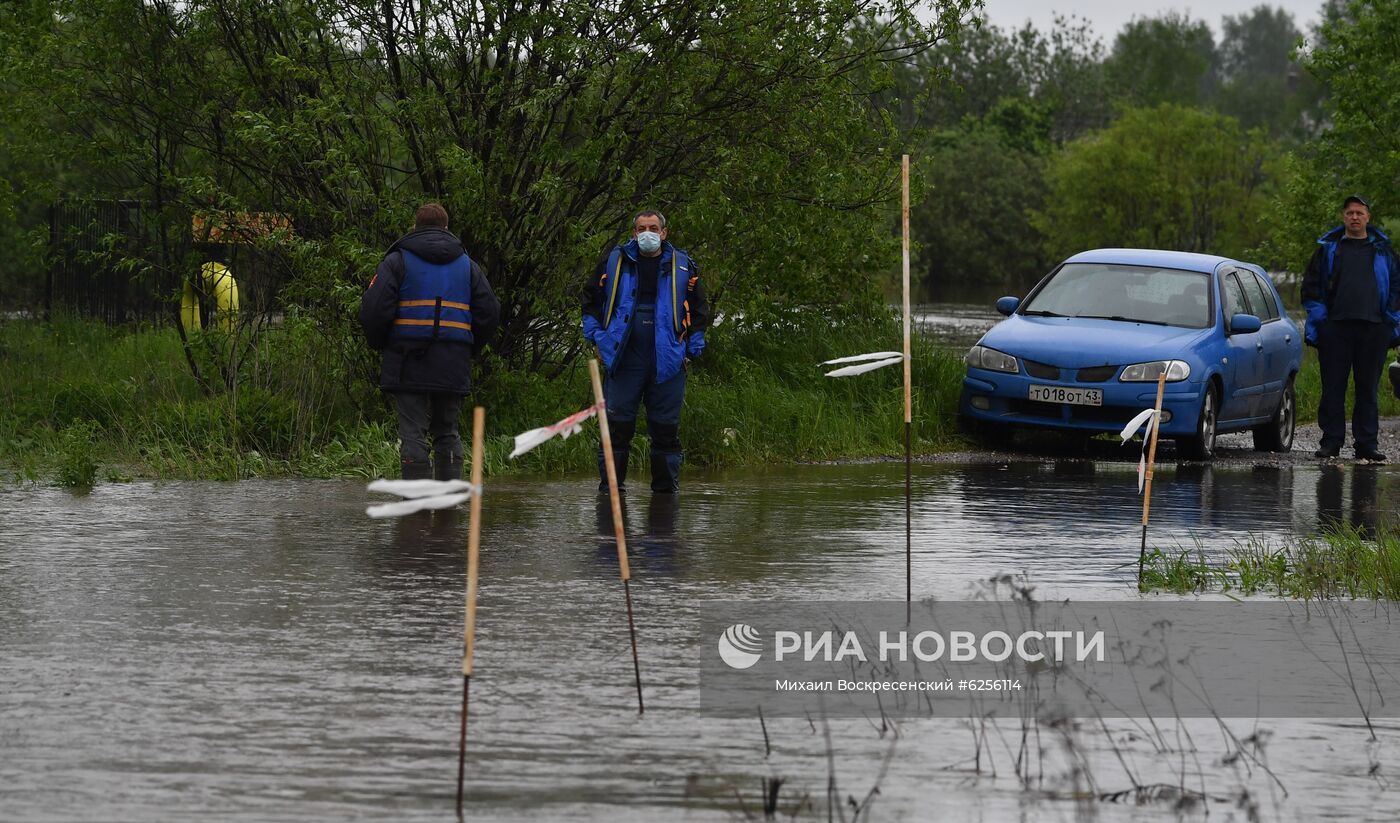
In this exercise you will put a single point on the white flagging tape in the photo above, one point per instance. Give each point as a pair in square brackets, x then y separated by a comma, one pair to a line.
[849, 371]
[572, 424]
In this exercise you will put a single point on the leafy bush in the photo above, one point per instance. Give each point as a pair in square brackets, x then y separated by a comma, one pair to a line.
[76, 465]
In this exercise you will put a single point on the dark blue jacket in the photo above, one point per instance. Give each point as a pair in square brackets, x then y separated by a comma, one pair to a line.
[1317, 280]
[426, 365]
[682, 311]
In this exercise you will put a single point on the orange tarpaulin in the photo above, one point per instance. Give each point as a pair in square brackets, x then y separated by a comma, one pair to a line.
[237, 226]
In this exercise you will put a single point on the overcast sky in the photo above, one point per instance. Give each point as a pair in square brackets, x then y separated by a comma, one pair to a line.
[1106, 17]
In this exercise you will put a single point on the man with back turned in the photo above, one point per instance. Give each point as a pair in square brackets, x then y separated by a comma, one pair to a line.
[1351, 290]
[428, 310]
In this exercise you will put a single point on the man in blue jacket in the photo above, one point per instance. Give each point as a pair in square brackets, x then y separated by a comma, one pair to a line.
[428, 310]
[644, 308]
[1351, 290]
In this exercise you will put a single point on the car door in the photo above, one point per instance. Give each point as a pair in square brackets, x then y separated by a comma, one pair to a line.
[1243, 367]
[1275, 336]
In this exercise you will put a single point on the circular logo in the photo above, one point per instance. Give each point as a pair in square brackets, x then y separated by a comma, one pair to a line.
[740, 646]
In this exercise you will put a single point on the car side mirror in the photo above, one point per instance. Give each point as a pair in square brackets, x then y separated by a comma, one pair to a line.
[1007, 305]
[1244, 324]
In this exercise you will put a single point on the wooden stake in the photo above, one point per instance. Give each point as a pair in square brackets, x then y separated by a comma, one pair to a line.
[469, 628]
[908, 411]
[619, 530]
[1151, 461]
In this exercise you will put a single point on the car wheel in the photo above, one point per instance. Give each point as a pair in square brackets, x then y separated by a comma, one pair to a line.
[1201, 446]
[1277, 434]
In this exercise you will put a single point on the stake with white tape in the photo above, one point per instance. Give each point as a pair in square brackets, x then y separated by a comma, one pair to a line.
[1152, 417]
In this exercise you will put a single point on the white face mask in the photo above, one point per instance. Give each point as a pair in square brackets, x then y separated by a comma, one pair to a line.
[648, 241]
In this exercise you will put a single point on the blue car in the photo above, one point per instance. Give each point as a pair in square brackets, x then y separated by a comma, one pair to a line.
[1083, 351]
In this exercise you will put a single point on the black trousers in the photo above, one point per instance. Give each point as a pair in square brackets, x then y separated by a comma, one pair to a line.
[421, 415]
[1352, 349]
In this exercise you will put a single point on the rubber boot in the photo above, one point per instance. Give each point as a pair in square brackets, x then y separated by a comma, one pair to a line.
[447, 467]
[621, 435]
[416, 469]
[665, 458]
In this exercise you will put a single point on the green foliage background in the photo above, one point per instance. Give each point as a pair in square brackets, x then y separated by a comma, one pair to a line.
[769, 134]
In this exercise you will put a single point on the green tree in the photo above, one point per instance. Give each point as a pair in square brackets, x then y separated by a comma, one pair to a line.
[969, 75]
[973, 229]
[1167, 59]
[1359, 151]
[1261, 83]
[1168, 177]
[540, 126]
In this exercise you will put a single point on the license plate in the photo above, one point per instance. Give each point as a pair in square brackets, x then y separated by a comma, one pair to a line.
[1063, 394]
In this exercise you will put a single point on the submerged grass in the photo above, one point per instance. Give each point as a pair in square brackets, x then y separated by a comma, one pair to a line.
[88, 402]
[1344, 562]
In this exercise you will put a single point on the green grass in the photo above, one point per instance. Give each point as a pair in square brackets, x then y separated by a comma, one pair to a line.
[1343, 562]
[91, 403]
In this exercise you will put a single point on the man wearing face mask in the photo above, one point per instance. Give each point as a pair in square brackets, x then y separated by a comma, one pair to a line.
[644, 308]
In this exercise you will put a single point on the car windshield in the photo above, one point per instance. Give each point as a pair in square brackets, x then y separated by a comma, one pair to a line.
[1141, 294]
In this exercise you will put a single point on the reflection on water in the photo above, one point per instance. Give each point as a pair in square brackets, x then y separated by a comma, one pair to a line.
[262, 651]
[1359, 507]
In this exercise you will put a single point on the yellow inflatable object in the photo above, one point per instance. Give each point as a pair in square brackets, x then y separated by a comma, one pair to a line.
[216, 282]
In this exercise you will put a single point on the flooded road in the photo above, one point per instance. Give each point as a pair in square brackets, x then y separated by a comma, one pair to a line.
[261, 651]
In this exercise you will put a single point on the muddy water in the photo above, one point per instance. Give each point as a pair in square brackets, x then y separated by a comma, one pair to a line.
[262, 651]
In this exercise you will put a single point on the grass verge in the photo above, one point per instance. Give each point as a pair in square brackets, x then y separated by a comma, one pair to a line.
[91, 403]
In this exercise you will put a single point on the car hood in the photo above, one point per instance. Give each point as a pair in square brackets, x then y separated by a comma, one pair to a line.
[1078, 343]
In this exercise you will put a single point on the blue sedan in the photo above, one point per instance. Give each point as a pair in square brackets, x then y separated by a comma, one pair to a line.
[1083, 351]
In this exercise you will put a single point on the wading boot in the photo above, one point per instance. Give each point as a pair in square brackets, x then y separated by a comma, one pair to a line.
[621, 431]
[446, 467]
[416, 469]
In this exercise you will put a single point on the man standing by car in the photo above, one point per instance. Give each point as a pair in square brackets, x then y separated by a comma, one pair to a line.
[1351, 291]
[428, 310]
[644, 308]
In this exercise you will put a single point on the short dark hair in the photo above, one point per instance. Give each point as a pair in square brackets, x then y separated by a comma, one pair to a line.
[661, 218]
[430, 215]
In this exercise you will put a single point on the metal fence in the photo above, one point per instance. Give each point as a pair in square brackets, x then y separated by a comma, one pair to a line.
[100, 254]
[111, 261]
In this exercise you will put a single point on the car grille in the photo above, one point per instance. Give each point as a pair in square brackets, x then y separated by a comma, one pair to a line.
[1041, 370]
[1055, 412]
[1097, 374]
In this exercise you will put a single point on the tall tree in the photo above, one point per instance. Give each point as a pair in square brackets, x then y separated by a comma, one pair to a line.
[974, 230]
[1167, 177]
[540, 126]
[1167, 59]
[1359, 150]
[1261, 82]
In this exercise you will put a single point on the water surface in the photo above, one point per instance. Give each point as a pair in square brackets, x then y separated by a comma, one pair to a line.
[262, 651]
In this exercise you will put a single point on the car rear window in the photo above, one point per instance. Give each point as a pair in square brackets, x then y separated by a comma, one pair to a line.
[1261, 297]
[1143, 294]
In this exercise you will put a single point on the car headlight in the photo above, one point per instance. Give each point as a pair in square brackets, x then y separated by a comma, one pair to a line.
[1149, 372]
[981, 357]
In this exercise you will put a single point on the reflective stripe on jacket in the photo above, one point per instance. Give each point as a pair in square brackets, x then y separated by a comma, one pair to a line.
[676, 338]
[434, 300]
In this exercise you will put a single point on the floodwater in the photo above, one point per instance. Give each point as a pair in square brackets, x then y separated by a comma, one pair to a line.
[262, 651]
[953, 326]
